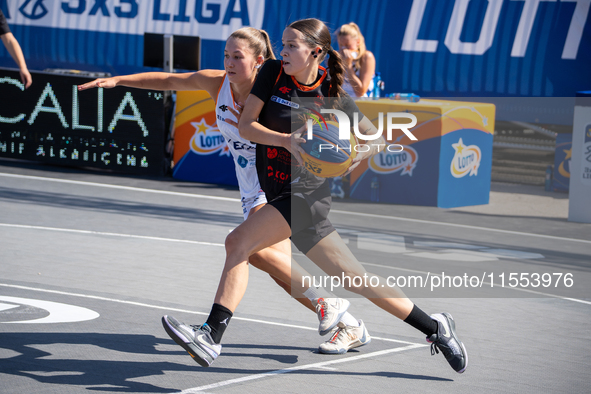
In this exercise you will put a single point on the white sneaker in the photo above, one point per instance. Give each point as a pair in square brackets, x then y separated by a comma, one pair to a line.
[345, 338]
[330, 311]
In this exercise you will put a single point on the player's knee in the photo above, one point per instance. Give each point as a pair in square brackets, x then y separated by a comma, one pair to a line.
[234, 243]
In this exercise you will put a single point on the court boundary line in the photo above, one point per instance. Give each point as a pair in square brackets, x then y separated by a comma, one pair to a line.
[92, 232]
[369, 215]
[298, 368]
[467, 226]
[121, 187]
[142, 304]
[89, 232]
[409, 345]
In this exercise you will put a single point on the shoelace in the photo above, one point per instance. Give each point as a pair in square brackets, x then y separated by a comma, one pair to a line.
[434, 349]
[321, 307]
[197, 327]
[343, 331]
[337, 334]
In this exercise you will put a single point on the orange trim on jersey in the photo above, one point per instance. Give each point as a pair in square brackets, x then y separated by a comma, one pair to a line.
[232, 94]
[220, 88]
[305, 88]
[231, 91]
[280, 72]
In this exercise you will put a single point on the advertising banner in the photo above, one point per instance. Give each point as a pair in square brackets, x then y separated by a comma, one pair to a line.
[118, 129]
[460, 48]
[201, 153]
[448, 166]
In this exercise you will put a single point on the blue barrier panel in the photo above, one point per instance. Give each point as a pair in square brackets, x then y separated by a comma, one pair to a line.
[432, 48]
[562, 159]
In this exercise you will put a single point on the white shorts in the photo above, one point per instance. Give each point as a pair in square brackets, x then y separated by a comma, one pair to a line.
[251, 202]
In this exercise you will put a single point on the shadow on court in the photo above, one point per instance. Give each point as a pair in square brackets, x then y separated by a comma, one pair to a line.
[87, 362]
[131, 208]
[79, 367]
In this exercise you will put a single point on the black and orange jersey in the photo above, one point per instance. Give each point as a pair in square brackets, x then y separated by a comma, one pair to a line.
[3, 24]
[284, 112]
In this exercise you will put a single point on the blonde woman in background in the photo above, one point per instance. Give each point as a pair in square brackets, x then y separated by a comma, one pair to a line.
[360, 64]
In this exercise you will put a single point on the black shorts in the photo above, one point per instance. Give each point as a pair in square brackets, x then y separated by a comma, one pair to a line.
[307, 215]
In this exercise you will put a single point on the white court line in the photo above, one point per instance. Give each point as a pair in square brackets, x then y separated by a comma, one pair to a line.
[369, 215]
[99, 298]
[321, 365]
[298, 368]
[495, 230]
[108, 186]
[485, 283]
[221, 245]
[67, 230]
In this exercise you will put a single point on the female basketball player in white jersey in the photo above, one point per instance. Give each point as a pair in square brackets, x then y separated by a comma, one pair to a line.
[246, 51]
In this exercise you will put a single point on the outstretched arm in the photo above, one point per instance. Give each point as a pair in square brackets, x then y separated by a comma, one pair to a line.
[13, 47]
[208, 80]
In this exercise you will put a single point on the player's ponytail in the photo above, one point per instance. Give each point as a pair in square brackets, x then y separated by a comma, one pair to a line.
[336, 72]
[268, 47]
[258, 41]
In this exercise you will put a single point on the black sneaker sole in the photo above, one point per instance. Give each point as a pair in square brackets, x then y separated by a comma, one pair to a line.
[196, 354]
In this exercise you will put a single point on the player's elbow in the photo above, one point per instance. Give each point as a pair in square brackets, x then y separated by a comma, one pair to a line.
[245, 127]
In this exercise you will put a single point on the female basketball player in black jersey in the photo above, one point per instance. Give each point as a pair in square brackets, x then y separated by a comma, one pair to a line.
[246, 50]
[267, 120]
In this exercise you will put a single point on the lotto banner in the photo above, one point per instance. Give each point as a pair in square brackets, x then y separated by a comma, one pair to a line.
[200, 151]
[448, 166]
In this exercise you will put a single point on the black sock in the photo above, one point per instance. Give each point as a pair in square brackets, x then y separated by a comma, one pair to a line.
[421, 321]
[218, 320]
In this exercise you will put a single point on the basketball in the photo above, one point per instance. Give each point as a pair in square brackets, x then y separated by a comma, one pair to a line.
[325, 154]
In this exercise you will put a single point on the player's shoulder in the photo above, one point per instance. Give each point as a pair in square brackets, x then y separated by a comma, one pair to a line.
[210, 80]
[215, 75]
[272, 66]
[368, 56]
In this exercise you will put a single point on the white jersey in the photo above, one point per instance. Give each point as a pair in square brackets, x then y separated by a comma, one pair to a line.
[243, 151]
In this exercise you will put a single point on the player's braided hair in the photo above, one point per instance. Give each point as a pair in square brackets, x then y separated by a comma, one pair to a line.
[316, 34]
[337, 73]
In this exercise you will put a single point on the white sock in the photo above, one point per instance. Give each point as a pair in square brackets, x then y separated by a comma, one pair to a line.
[314, 293]
[349, 320]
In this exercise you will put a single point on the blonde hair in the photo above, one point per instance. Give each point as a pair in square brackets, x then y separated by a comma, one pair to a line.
[258, 41]
[352, 30]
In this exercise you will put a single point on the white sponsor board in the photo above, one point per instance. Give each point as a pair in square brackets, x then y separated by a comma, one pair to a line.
[579, 208]
[209, 19]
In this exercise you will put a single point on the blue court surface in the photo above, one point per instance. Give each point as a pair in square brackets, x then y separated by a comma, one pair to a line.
[91, 261]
